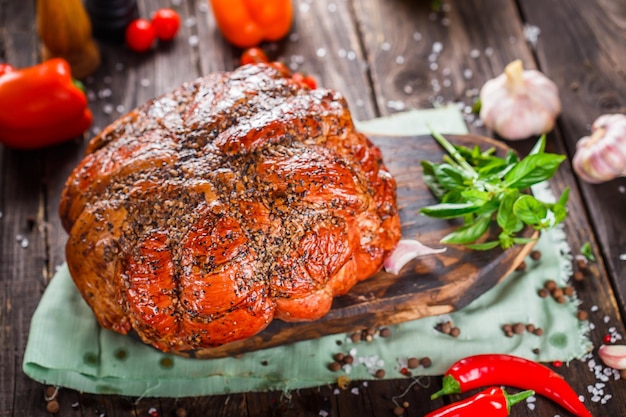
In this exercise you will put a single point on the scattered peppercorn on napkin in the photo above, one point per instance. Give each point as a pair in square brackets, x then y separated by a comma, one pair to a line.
[66, 347]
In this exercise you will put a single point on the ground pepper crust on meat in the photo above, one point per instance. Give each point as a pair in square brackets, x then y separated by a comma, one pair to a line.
[241, 197]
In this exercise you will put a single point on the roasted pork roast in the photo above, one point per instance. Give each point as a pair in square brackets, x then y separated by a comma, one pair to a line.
[235, 199]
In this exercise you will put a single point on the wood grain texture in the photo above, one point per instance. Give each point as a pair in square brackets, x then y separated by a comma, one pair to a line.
[428, 286]
[370, 54]
[591, 76]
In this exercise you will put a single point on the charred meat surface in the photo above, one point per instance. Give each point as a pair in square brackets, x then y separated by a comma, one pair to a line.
[240, 197]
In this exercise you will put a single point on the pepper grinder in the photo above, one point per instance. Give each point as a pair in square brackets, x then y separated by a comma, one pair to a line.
[111, 17]
[65, 31]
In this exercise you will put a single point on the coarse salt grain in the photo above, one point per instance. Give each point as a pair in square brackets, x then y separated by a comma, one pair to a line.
[304, 8]
[323, 413]
[193, 40]
[120, 108]
[342, 53]
[107, 79]
[396, 105]
[606, 319]
[119, 67]
[145, 82]
[531, 406]
[399, 59]
[531, 33]
[351, 55]
[24, 243]
[468, 74]
[354, 391]
[417, 36]
[474, 53]
[190, 22]
[332, 7]
[203, 7]
[107, 108]
[321, 52]
[594, 308]
[104, 93]
[445, 21]
[437, 47]
[408, 89]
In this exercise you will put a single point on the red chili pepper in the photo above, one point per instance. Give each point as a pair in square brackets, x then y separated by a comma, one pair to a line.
[492, 402]
[495, 369]
[41, 106]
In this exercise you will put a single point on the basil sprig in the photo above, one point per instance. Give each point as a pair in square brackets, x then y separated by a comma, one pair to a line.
[482, 188]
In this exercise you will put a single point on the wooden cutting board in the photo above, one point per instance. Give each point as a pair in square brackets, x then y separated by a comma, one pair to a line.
[427, 286]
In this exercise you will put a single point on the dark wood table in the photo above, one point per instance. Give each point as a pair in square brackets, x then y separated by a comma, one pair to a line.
[378, 53]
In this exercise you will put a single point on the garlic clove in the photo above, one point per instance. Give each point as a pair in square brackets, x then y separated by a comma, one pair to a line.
[613, 356]
[405, 251]
[601, 156]
[519, 103]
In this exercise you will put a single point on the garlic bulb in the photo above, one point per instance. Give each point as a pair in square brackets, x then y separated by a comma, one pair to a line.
[519, 103]
[602, 155]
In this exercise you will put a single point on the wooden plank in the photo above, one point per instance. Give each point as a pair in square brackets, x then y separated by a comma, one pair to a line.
[22, 231]
[591, 76]
[421, 58]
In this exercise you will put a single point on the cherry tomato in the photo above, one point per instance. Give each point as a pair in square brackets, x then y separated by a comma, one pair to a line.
[304, 80]
[253, 56]
[140, 35]
[166, 23]
[5, 69]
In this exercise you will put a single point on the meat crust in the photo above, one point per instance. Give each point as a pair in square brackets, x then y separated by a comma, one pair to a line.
[240, 197]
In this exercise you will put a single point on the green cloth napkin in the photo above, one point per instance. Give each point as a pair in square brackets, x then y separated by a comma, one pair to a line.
[67, 348]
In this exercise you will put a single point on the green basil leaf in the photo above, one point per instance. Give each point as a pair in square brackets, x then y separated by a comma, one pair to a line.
[476, 196]
[539, 147]
[586, 251]
[449, 177]
[428, 174]
[530, 210]
[564, 197]
[449, 210]
[470, 232]
[533, 169]
[511, 157]
[483, 246]
[506, 218]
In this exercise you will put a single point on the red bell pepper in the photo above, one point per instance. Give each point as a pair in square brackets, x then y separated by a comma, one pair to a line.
[41, 106]
[246, 23]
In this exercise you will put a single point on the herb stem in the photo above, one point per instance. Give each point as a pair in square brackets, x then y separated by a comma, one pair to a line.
[454, 153]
